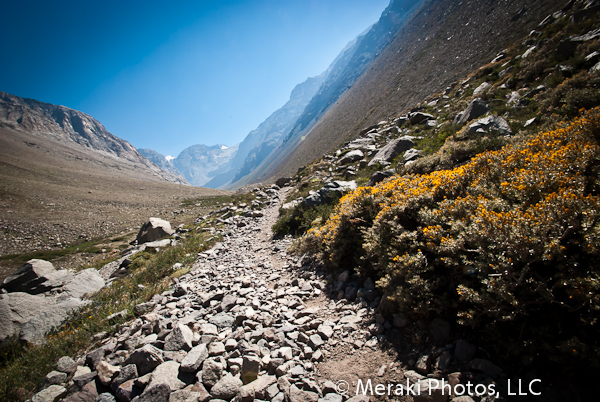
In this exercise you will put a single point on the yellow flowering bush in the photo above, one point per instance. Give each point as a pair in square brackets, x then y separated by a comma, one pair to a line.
[511, 238]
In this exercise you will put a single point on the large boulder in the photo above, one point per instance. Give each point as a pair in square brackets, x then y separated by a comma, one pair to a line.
[83, 283]
[29, 276]
[35, 330]
[154, 229]
[16, 309]
[351, 156]
[392, 149]
[328, 192]
[476, 108]
[490, 124]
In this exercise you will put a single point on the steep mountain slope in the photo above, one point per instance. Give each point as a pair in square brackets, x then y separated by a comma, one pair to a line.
[440, 43]
[200, 163]
[63, 124]
[259, 143]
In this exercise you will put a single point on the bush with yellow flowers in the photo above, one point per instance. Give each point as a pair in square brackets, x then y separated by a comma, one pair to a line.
[507, 244]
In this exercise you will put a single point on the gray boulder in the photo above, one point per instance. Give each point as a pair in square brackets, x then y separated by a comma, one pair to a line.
[35, 330]
[419, 117]
[490, 124]
[378, 177]
[226, 388]
[352, 156]
[29, 276]
[328, 192]
[16, 309]
[146, 359]
[167, 373]
[84, 283]
[476, 108]
[153, 230]
[412, 155]
[392, 149]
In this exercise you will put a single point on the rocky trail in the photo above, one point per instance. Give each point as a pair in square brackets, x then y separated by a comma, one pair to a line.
[252, 322]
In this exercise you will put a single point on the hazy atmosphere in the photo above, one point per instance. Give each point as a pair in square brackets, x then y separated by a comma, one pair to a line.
[167, 75]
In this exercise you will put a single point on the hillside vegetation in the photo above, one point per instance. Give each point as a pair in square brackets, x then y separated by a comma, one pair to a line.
[495, 230]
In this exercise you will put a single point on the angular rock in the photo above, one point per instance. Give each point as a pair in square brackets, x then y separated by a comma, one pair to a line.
[66, 365]
[250, 368]
[105, 397]
[180, 338]
[392, 149]
[88, 393]
[144, 308]
[167, 373]
[85, 282]
[146, 359]
[28, 276]
[261, 384]
[419, 117]
[222, 320]
[412, 155]
[216, 348]
[226, 388]
[352, 156]
[16, 309]
[81, 380]
[35, 330]
[51, 394]
[127, 373]
[212, 372]
[294, 394]
[194, 359]
[379, 177]
[106, 372]
[228, 302]
[157, 393]
[490, 124]
[476, 108]
[154, 229]
[55, 378]
[126, 391]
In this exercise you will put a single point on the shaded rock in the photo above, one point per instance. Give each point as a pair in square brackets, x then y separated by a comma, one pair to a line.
[464, 351]
[126, 391]
[88, 393]
[392, 149]
[476, 108]
[485, 366]
[194, 359]
[282, 181]
[412, 155]
[127, 373]
[419, 117]
[180, 338]
[262, 384]
[250, 368]
[379, 177]
[81, 380]
[157, 393]
[154, 229]
[146, 359]
[440, 330]
[28, 276]
[228, 302]
[212, 372]
[105, 397]
[226, 388]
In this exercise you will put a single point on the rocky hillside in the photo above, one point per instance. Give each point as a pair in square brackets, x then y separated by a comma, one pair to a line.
[439, 44]
[67, 125]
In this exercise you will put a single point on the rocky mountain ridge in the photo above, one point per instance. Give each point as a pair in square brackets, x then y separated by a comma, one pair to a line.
[67, 125]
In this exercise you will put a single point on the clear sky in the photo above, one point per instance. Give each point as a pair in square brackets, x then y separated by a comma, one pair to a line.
[169, 74]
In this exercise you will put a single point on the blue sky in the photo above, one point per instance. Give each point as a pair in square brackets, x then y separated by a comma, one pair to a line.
[169, 74]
